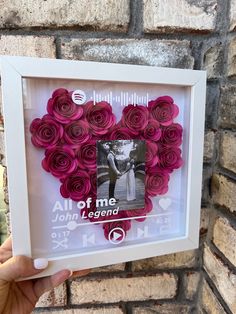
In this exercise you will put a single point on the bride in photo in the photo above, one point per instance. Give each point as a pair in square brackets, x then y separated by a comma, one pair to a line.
[130, 180]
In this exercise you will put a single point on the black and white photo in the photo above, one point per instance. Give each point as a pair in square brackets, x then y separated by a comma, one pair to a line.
[121, 172]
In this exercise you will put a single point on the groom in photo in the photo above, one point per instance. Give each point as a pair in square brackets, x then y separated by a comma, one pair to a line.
[114, 173]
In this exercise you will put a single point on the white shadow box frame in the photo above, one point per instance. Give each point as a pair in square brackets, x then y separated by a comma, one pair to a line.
[25, 80]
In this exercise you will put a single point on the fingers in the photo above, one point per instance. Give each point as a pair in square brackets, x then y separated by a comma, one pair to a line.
[7, 245]
[21, 266]
[6, 250]
[4, 255]
[48, 283]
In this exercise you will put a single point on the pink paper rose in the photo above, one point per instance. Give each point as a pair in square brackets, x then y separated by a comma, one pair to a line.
[170, 158]
[151, 157]
[60, 161]
[62, 107]
[163, 110]
[152, 131]
[46, 132]
[141, 211]
[135, 118]
[100, 117]
[77, 132]
[122, 133]
[172, 135]
[76, 186]
[86, 154]
[156, 182]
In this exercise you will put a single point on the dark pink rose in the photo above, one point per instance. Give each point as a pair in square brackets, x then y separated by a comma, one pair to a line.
[62, 107]
[170, 158]
[135, 117]
[156, 182]
[60, 161]
[76, 186]
[123, 224]
[46, 132]
[93, 180]
[77, 132]
[151, 157]
[122, 133]
[86, 154]
[172, 135]
[163, 110]
[152, 131]
[141, 211]
[100, 117]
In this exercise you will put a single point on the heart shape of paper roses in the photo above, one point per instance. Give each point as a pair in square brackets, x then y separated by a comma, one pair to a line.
[68, 133]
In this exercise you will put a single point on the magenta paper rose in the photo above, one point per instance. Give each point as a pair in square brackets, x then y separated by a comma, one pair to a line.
[100, 117]
[141, 211]
[122, 133]
[76, 186]
[156, 182]
[123, 224]
[170, 158]
[172, 135]
[151, 157]
[46, 132]
[135, 117]
[152, 131]
[163, 110]
[77, 132]
[86, 154]
[62, 108]
[60, 161]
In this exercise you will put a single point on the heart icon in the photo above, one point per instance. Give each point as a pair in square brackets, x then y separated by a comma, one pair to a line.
[165, 203]
[68, 133]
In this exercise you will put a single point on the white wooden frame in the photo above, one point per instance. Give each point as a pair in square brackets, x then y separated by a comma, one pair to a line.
[13, 69]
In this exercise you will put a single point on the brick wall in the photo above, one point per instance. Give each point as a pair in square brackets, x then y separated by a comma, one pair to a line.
[198, 34]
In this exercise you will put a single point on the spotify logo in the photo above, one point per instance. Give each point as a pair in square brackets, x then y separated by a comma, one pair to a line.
[79, 97]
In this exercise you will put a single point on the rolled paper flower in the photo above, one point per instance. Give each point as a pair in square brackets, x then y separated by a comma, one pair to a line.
[86, 155]
[100, 117]
[163, 110]
[123, 224]
[156, 181]
[170, 158]
[135, 118]
[93, 180]
[152, 132]
[77, 132]
[141, 211]
[60, 161]
[151, 157]
[46, 132]
[122, 133]
[172, 135]
[62, 108]
[76, 186]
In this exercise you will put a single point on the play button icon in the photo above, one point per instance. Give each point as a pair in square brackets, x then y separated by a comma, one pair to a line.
[116, 235]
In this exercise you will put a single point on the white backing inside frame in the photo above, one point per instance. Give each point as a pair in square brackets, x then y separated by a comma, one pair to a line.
[63, 236]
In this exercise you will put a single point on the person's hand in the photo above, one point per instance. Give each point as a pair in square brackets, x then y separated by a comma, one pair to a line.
[21, 297]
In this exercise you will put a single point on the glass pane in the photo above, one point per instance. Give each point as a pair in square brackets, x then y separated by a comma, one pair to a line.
[150, 146]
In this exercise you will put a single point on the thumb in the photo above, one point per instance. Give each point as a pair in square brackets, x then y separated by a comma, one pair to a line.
[21, 266]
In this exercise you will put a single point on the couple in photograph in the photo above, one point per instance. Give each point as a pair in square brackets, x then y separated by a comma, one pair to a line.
[115, 174]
